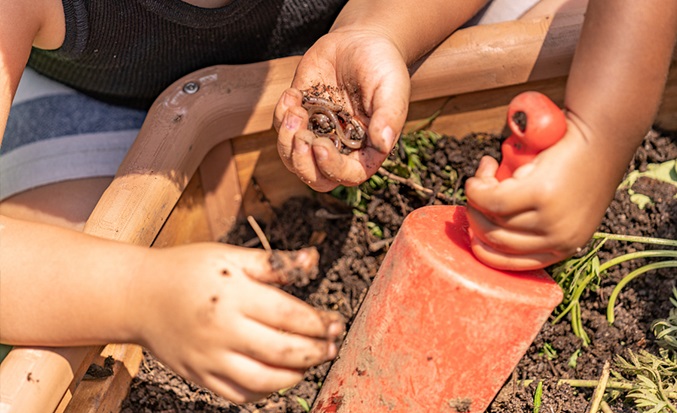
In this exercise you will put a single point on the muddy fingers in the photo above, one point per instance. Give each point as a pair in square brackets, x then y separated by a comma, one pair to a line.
[295, 267]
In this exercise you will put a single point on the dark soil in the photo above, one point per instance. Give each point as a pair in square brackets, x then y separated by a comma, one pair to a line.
[350, 256]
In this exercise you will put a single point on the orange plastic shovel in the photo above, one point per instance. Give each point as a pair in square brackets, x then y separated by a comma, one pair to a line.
[438, 330]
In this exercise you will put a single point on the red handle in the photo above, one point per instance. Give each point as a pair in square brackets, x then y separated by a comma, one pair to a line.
[536, 124]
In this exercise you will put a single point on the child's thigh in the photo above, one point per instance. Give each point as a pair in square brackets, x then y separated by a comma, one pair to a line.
[59, 150]
[67, 203]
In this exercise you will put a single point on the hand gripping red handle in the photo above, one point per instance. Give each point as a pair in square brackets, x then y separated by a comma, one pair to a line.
[536, 124]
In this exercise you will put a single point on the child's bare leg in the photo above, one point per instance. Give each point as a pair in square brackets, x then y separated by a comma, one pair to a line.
[59, 151]
[66, 204]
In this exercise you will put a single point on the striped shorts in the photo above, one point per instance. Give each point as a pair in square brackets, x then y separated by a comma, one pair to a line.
[56, 134]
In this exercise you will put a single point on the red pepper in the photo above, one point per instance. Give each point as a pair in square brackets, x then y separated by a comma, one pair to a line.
[536, 124]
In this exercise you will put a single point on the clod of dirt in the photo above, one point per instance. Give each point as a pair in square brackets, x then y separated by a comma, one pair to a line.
[461, 405]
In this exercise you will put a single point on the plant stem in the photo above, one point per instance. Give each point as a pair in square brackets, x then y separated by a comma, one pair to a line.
[605, 407]
[413, 185]
[611, 384]
[601, 388]
[429, 120]
[636, 255]
[633, 238]
[614, 294]
[537, 397]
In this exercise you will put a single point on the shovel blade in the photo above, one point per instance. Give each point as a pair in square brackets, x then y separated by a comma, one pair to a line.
[438, 330]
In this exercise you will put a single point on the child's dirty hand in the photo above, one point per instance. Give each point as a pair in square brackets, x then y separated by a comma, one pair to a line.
[363, 71]
[207, 311]
[546, 211]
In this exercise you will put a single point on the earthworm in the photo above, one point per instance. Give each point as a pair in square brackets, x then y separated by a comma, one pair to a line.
[330, 120]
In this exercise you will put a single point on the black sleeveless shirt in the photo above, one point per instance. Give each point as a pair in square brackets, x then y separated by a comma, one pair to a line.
[128, 51]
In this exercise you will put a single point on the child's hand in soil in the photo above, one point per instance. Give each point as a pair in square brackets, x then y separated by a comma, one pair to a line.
[547, 210]
[207, 311]
[365, 72]
[552, 206]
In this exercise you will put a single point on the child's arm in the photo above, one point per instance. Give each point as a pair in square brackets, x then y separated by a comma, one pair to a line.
[554, 204]
[204, 309]
[22, 24]
[365, 56]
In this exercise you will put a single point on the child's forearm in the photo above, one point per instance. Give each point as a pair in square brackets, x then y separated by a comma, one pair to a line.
[618, 74]
[60, 287]
[415, 27]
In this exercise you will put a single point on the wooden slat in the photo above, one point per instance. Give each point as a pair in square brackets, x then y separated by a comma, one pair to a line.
[106, 395]
[222, 194]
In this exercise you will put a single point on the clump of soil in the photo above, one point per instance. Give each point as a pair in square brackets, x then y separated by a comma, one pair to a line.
[350, 256]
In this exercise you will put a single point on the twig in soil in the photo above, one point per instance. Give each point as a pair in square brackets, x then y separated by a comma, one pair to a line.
[414, 185]
[384, 243]
[604, 406]
[436, 192]
[400, 201]
[259, 233]
[601, 388]
[251, 243]
[611, 384]
[264, 199]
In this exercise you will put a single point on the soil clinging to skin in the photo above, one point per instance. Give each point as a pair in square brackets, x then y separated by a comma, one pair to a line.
[350, 255]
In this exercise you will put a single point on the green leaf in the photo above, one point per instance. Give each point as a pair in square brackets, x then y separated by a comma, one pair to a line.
[304, 404]
[664, 172]
[640, 200]
[537, 397]
[573, 360]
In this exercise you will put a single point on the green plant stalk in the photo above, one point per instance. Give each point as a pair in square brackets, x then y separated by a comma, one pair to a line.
[633, 238]
[577, 325]
[611, 385]
[575, 297]
[605, 407]
[664, 395]
[538, 396]
[578, 266]
[614, 294]
[304, 404]
[636, 255]
[581, 287]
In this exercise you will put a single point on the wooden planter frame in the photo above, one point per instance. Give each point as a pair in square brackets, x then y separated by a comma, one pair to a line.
[204, 156]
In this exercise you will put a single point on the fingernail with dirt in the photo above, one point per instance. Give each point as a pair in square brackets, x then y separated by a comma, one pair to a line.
[297, 267]
[334, 322]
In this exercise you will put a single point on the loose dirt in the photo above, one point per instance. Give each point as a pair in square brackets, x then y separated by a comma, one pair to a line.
[351, 253]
